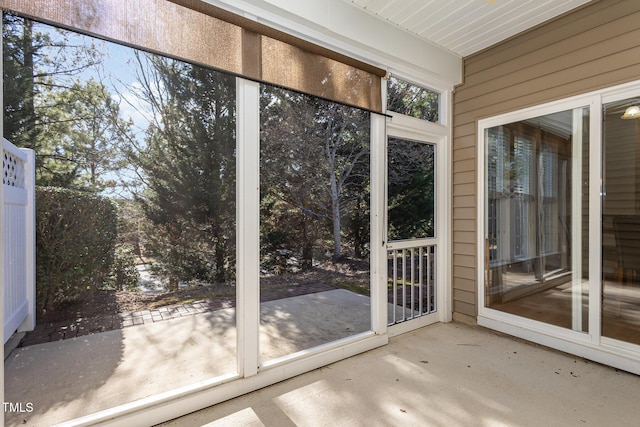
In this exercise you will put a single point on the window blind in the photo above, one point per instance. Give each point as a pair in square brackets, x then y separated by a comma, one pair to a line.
[198, 32]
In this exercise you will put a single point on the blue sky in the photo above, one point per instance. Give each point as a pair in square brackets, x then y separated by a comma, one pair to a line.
[117, 73]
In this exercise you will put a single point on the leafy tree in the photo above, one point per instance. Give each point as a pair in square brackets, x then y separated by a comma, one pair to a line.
[75, 239]
[315, 157]
[357, 221]
[411, 189]
[124, 274]
[131, 222]
[345, 133]
[415, 101]
[20, 45]
[71, 121]
[90, 135]
[187, 164]
[293, 198]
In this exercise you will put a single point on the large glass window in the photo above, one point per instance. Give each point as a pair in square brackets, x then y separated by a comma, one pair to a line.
[314, 222]
[135, 225]
[536, 218]
[560, 213]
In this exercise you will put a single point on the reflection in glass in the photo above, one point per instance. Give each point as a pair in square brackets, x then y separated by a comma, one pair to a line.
[314, 222]
[621, 224]
[536, 223]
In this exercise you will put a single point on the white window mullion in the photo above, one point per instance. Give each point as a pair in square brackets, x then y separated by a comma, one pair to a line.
[378, 234]
[595, 217]
[576, 222]
[248, 225]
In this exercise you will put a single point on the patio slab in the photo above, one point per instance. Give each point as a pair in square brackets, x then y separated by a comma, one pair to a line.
[443, 375]
[73, 377]
[49, 332]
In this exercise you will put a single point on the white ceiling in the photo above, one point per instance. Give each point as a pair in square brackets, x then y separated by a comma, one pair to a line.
[466, 26]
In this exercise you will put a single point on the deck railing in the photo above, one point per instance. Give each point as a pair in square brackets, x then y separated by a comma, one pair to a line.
[18, 238]
[411, 281]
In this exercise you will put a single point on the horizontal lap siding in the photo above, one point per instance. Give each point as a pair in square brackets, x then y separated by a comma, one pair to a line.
[591, 48]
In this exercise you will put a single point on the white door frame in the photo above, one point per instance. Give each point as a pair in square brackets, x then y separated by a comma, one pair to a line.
[404, 127]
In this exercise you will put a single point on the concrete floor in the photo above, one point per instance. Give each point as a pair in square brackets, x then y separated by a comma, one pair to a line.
[68, 379]
[444, 375]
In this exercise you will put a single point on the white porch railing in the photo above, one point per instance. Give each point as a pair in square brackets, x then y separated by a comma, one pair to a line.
[18, 238]
[412, 281]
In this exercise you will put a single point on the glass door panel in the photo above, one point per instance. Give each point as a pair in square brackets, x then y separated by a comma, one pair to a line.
[536, 226]
[621, 223]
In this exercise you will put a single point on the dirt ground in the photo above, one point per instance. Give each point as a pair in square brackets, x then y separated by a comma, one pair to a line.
[349, 274]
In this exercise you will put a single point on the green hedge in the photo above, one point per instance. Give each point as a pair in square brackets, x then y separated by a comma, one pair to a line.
[75, 239]
[123, 275]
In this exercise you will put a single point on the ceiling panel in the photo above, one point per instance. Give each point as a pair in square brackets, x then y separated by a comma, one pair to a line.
[466, 26]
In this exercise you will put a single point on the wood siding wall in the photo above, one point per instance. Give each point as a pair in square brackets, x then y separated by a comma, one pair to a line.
[594, 47]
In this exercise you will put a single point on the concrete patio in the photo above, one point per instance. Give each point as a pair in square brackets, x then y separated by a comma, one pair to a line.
[74, 377]
[443, 375]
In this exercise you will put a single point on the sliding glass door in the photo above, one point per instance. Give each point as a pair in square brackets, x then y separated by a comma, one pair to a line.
[559, 217]
[621, 222]
[536, 218]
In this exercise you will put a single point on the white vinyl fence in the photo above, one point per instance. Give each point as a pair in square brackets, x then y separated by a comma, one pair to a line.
[18, 238]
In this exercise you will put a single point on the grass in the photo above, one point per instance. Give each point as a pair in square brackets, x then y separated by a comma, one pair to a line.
[358, 287]
[176, 298]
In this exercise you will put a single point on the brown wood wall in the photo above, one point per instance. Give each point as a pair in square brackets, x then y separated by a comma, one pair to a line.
[594, 47]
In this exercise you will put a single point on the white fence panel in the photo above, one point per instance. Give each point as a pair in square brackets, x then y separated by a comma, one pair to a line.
[18, 238]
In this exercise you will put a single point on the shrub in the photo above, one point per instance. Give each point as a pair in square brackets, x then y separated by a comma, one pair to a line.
[75, 240]
[273, 256]
[124, 274]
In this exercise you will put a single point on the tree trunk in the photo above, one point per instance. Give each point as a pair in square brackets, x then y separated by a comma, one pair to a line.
[335, 208]
[307, 248]
[220, 255]
[30, 91]
[173, 283]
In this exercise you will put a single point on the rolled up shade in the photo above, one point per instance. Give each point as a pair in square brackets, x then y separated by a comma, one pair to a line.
[198, 32]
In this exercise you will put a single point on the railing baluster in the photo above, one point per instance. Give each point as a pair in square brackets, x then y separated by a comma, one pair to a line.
[420, 280]
[429, 281]
[433, 281]
[411, 265]
[395, 285]
[421, 274]
[404, 285]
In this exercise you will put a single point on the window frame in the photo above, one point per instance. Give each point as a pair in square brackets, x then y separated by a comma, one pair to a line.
[249, 375]
[438, 134]
[441, 96]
